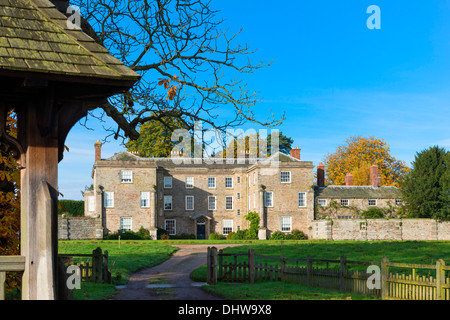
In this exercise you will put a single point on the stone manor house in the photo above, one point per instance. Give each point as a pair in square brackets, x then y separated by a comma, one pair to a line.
[131, 192]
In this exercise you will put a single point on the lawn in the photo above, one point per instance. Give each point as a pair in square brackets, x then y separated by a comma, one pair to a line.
[129, 258]
[417, 252]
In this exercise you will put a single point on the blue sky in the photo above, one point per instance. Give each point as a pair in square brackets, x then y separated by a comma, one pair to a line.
[332, 76]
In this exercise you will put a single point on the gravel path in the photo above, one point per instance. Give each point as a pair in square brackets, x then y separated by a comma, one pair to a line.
[170, 280]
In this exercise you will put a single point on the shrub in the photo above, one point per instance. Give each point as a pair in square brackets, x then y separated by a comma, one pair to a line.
[298, 235]
[216, 236]
[127, 235]
[278, 235]
[239, 235]
[71, 208]
[254, 219]
[231, 235]
[160, 232]
[294, 235]
[373, 213]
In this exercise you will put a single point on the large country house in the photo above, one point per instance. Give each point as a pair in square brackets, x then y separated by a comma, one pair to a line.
[131, 192]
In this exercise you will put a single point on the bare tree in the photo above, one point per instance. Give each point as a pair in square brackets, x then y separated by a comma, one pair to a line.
[189, 66]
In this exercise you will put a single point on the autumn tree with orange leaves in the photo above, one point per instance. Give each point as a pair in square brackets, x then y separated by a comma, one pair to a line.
[10, 205]
[357, 155]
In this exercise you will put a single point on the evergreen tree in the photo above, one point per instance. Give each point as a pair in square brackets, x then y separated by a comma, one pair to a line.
[425, 189]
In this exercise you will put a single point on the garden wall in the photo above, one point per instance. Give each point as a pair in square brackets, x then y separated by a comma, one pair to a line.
[79, 228]
[380, 229]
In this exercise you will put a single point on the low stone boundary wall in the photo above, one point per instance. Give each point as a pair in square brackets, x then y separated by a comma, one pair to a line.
[381, 229]
[79, 228]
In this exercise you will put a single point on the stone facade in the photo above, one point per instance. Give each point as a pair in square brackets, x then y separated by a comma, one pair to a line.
[381, 229]
[157, 192]
[79, 228]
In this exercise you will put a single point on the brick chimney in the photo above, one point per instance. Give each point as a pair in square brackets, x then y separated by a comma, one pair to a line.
[321, 175]
[295, 153]
[98, 150]
[349, 179]
[375, 179]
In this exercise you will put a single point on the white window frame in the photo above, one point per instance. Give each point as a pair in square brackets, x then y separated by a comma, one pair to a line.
[167, 182]
[303, 199]
[343, 202]
[129, 225]
[322, 204]
[126, 176]
[145, 199]
[268, 201]
[226, 203]
[109, 199]
[186, 203]
[210, 202]
[372, 205]
[174, 226]
[91, 203]
[283, 179]
[227, 226]
[284, 223]
[211, 182]
[227, 184]
[166, 197]
[189, 185]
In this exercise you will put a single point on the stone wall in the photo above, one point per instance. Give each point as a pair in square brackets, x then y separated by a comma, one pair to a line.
[381, 229]
[79, 228]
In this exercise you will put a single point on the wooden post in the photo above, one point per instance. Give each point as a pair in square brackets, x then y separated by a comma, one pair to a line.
[308, 270]
[208, 266]
[38, 134]
[384, 278]
[282, 267]
[220, 264]
[342, 273]
[251, 265]
[106, 272]
[213, 265]
[440, 280]
[97, 265]
[2, 285]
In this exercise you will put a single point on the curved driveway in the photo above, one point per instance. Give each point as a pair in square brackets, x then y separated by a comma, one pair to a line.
[170, 279]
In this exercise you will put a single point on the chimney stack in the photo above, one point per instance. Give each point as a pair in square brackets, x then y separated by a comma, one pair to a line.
[98, 150]
[375, 179]
[349, 179]
[321, 175]
[295, 153]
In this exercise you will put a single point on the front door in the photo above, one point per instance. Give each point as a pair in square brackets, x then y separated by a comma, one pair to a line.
[201, 229]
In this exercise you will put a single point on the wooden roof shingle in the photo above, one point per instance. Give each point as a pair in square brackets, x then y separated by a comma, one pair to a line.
[36, 37]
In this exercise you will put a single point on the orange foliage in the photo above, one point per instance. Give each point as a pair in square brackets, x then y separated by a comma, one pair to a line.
[172, 90]
[10, 206]
[357, 155]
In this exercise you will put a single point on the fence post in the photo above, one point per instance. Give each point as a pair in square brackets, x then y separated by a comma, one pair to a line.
[220, 265]
[97, 265]
[384, 278]
[343, 267]
[308, 270]
[440, 279]
[251, 265]
[106, 273]
[2, 285]
[282, 266]
[212, 266]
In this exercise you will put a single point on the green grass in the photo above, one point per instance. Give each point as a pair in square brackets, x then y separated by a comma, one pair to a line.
[129, 258]
[278, 291]
[417, 252]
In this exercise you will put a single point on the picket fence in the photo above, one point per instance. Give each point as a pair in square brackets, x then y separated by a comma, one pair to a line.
[343, 275]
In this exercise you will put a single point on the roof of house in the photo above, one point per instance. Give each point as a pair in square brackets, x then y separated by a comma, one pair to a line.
[357, 192]
[36, 37]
